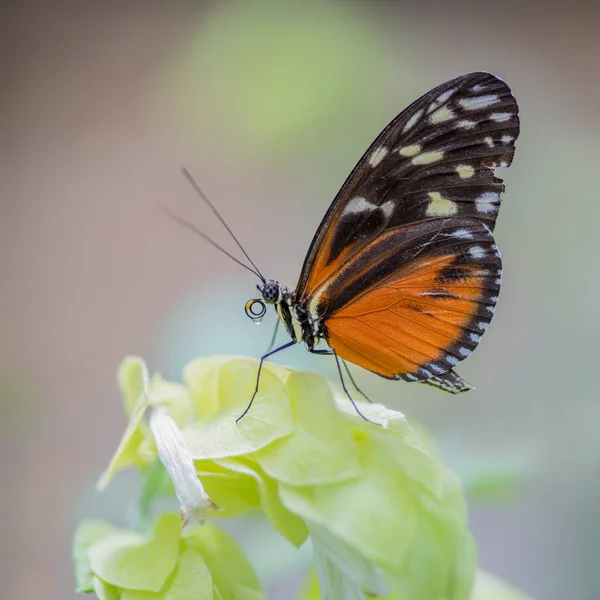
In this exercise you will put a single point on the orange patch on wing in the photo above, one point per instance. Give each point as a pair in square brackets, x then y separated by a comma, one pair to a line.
[408, 321]
[322, 268]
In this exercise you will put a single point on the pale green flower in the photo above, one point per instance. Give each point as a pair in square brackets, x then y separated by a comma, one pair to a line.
[198, 563]
[383, 514]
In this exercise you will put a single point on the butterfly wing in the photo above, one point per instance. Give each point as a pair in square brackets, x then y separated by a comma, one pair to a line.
[416, 300]
[415, 213]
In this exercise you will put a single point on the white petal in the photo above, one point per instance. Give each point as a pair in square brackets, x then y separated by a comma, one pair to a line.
[179, 464]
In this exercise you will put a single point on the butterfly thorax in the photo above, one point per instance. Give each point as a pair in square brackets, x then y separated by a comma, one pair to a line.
[295, 318]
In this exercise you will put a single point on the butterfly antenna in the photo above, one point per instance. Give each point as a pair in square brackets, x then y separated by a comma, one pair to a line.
[202, 195]
[191, 227]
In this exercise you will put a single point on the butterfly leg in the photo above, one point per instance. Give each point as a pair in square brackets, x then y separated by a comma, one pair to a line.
[258, 374]
[354, 383]
[337, 362]
[329, 351]
[274, 336]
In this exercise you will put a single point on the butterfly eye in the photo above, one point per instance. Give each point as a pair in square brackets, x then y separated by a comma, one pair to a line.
[256, 310]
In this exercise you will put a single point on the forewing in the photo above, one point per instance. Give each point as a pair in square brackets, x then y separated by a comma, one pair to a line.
[434, 160]
[416, 300]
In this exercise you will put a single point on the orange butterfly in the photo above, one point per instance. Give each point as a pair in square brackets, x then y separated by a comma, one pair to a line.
[403, 274]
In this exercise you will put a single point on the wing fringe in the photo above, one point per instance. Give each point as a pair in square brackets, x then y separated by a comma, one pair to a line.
[450, 382]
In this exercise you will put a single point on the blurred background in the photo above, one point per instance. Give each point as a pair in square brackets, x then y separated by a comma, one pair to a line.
[270, 105]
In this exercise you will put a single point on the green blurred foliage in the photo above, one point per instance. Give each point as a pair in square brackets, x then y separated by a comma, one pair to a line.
[271, 76]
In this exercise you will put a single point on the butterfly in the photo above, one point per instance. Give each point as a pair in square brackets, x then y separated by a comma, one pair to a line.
[403, 274]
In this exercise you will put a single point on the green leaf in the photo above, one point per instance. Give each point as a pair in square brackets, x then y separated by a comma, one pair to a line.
[489, 587]
[321, 449]
[286, 522]
[86, 535]
[231, 572]
[221, 388]
[191, 580]
[129, 560]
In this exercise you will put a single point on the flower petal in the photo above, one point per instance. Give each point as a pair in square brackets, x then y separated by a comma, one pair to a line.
[178, 462]
[221, 389]
[322, 449]
[411, 525]
[343, 571]
[130, 560]
[231, 571]
[285, 521]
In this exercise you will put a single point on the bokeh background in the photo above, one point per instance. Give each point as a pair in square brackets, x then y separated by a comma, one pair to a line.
[270, 104]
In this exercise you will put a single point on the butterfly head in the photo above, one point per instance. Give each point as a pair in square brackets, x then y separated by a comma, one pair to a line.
[271, 293]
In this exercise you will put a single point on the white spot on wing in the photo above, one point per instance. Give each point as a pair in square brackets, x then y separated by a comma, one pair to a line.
[489, 141]
[437, 368]
[440, 206]
[427, 158]
[388, 208]
[443, 97]
[411, 377]
[483, 325]
[477, 252]
[478, 102]
[507, 139]
[490, 308]
[474, 336]
[478, 88]
[500, 117]
[426, 373]
[412, 121]
[466, 124]
[378, 155]
[441, 115]
[410, 150]
[488, 202]
[358, 205]
[462, 233]
[452, 359]
[464, 351]
[465, 171]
